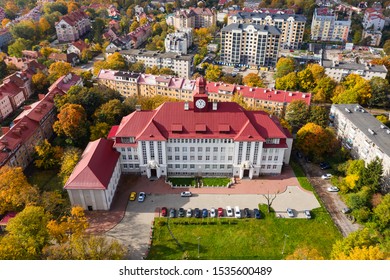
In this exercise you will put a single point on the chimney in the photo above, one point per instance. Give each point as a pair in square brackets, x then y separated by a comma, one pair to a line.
[138, 108]
[215, 106]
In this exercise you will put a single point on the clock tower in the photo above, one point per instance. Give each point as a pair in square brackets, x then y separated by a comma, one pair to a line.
[201, 103]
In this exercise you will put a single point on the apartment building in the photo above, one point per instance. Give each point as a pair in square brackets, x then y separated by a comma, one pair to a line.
[194, 18]
[373, 18]
[361, 133]
[182, 64]
[250, 45]
[32, 126]
[135, 84]
[179, 42]
[292, 26]
[375, 37]
[327, 25]
[337, 70]
[73, 26]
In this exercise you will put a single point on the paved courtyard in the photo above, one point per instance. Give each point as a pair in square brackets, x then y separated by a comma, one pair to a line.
[130, 222]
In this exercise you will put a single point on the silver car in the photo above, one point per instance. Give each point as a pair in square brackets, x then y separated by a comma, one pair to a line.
[290, 212]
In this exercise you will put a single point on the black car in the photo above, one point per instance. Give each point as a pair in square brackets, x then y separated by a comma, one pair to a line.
[172, 213]
[181, 213]
[205, 213]
[324, 165]
[247, 214]
[196, 213]
[256, 213]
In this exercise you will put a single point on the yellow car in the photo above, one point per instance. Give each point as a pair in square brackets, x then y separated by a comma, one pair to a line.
[133, 195]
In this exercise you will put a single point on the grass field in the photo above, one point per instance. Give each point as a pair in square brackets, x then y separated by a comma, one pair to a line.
[45, 180]
[218, 182]
[230, 238]
[183, 181]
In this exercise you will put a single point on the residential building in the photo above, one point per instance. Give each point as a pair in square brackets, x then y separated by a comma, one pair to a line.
[374, 19]
[202, 138]
[194, 18]
[250, 45]
[71, 58]
[31, 54]
[33, 125]
[179, 42]
[292, 26]
[5, 37]
[327, 25]
[375, 36]
[338, 70]
[362, 134]
[140, 35]
[73, 26]
[92, 184]
[182, 65]
[135, 84]
[77, 47]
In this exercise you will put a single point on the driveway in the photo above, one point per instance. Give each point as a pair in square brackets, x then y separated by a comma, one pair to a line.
[134, 230]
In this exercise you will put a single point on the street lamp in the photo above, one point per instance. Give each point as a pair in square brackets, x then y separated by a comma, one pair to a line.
[198, 245]
[284, 244]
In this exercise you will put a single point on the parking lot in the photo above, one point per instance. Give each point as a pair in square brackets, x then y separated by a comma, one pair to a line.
[135, 228]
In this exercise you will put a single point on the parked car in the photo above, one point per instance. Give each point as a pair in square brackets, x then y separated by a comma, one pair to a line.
[326, 176]
[333, 189]
[324, 165]
[186, 194]
[164, 211]
[141, 197]
[213, 213]
[256, 213]
[181, 213]
[189, 213]
[196, 213]
[237, 212]
[205, 213]
[247, 214]
[346, 210]
[229, 211]
[307, 214]
[133, 196]
[290, 212]
[172, 213]
[220, 212]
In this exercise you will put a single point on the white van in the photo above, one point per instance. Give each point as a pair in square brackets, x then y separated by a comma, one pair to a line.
[237, 212]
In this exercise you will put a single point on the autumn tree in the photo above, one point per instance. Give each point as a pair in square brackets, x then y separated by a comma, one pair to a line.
[305, 253]
[47, 156]
[3, 69]
[26, 235]
[20, 44]
[25, 29]
[69, 161]
[353, 169]
[40, 82]
[288, 82]
[15, 191]
[316, 141]
[355, 90]
[318, 115]
[239, 99]
[253, 80]
[72, 123]
[139, 67]
[213, 72]
[380, 90]
[134, 25]
[59, 69]
[317, 71]
[99, 130]
[323, 92]
[110, 112]
[44, 25]
[297, 113]
[116, 61]
[284, 66]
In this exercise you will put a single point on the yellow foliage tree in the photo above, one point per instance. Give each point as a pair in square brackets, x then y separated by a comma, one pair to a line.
[363, 253]
[305, 253]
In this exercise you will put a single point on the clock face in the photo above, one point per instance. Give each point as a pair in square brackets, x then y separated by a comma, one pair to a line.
[200, 103]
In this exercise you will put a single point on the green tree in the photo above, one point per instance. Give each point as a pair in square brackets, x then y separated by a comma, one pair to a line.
[372, 175]
[27, 235]
[134, 25]
[297, 113]
[47, 155]
[98, 26]
[167, 71]
[289, 82]
[386, 47]
[252, 80]
[318, 115]
[380, 90]
[20, 44]
[284, 66]
[99, 130]
[25, 29]
[3, 69]
[110, 112]
[15, 191]
[315, 141]
[138, 67]
[40, 82]
[197, 59]
[323, 92]
[72, 123]
[70, 158]
[382, 212]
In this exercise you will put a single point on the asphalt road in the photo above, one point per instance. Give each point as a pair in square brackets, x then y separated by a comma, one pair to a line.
[331, 200]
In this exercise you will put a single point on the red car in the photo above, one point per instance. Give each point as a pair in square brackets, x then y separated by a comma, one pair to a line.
[220, 212]
[164, 211]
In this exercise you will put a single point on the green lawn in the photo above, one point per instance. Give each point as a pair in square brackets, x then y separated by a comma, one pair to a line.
[218, 182]
[230, 238]
[45, 180]
[302, 179]
[183, 181]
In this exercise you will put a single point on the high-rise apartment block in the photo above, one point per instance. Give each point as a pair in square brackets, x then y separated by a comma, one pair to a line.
[327, 25]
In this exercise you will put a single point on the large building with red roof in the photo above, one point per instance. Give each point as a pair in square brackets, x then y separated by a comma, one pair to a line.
[92, 184]
[201, 138]
[73, 26]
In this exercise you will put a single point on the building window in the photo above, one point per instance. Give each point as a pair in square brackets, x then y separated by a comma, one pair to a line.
[185, 166]
[215, 166]
[170, 165]
[274, 166]
[199, 157]
[192, 149]
[177, 157]
[239, 152]
[185, 149]
[222, 166]
[207, 166]
[124, 157]
[177, 149]
[268, 166]
[125, 166]
[215, 149]
[192, 166]
[207, 149]
[200, 149]
[145, 159]
[275, 158]
[192, 157]
[169, 157]
[160, 156]
[151, 147]
[177, 166]
[184, 157]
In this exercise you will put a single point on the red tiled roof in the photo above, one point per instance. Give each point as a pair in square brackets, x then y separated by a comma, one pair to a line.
[163, 122]
[74, 17]
[95, 168]
[64, 83]
[4, 221]
[80, 44]
[112, 132]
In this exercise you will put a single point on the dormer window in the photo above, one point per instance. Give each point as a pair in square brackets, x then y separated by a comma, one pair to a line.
[128, 140]
[272, 141]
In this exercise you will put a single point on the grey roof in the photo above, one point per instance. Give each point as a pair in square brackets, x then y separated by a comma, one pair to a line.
[254, 15]
[364, 121]
[354, 66]
[265, 28]
[138, 52]
[127, 74]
